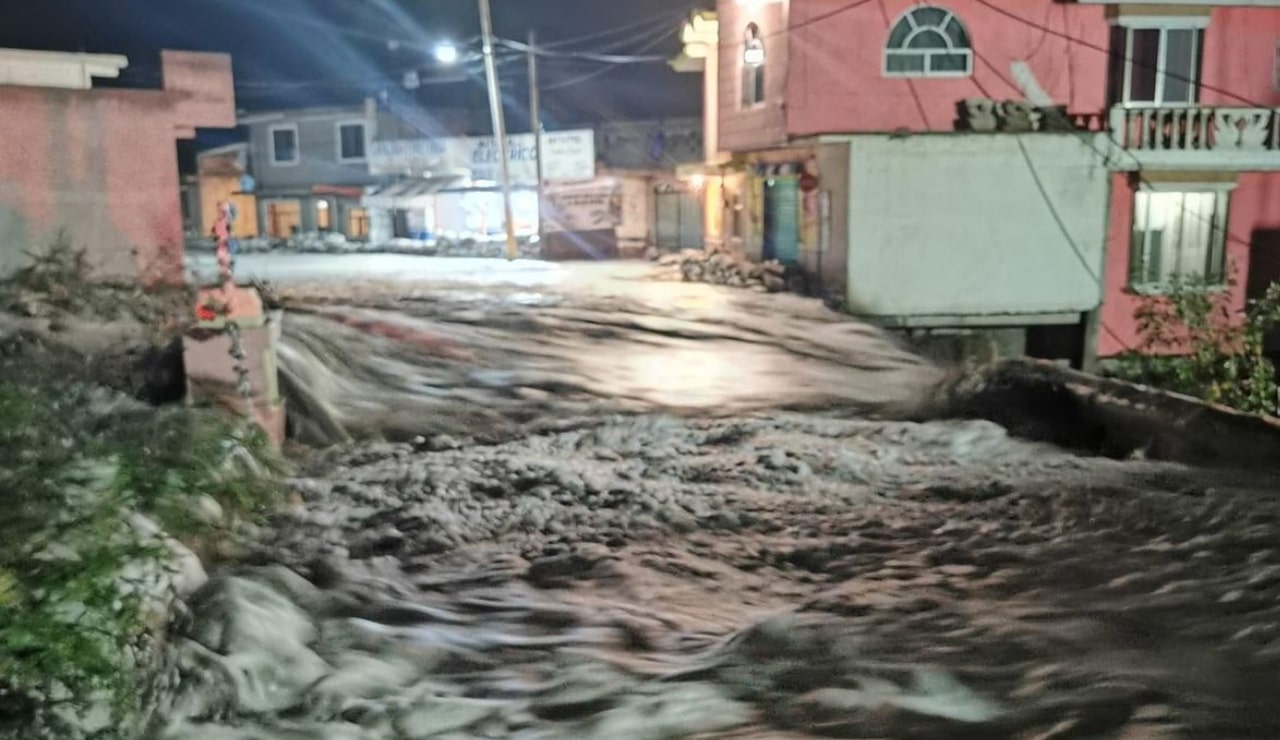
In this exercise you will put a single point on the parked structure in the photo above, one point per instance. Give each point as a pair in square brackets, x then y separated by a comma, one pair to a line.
[1020, 165]
[99, 167]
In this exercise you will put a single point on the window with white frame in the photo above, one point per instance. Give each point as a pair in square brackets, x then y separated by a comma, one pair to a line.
[1157, 64]
[1178, 237]
[928, 41]
[284, 144]
[753, 59]
[351, 142]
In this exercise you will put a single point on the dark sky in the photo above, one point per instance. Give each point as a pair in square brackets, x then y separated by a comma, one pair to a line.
[290, 53]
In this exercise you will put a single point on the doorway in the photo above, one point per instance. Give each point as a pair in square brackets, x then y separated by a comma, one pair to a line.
[782, 219]
[679, 220]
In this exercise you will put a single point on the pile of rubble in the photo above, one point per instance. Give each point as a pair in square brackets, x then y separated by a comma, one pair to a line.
[722, 268]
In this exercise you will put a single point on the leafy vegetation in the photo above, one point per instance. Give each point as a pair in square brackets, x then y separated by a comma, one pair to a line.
[1194, 341]
[77, 468]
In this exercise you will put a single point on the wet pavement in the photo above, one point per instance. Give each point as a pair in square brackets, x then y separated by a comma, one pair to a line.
[618, 508]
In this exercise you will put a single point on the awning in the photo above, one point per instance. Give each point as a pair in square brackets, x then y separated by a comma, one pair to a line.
[341, 191]
[408, 193]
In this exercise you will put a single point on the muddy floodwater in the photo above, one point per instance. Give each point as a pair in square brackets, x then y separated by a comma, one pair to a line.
[615, 508]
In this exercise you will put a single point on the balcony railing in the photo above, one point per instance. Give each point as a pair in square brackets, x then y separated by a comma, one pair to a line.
[1237, 131]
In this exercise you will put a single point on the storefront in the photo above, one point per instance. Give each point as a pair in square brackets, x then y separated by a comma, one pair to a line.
[448, 188]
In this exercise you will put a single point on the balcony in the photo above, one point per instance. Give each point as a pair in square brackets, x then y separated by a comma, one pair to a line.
[1196, 138]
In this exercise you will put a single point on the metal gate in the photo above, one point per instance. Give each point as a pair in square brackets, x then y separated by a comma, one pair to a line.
[782, 219]
[679, 220]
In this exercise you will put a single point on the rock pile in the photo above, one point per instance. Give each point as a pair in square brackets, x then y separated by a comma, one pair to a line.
[722, 268]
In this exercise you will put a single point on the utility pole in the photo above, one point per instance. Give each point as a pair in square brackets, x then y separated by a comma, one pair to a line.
[535, 121]
[499, 124]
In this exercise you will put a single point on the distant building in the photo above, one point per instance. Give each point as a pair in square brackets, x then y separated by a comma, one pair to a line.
[310, 166]
[99, 166]
[1029, 166]
[658, 208]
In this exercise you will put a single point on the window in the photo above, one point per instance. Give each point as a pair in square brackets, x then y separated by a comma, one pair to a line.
[928, 42]
[752, 68]
[351, 142]
[324, 216]
[1156, 66]
[358, 223]
[284, 145]
[1177, 236]
[284, 218]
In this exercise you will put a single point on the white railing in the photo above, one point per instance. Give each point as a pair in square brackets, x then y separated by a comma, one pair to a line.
[1189, 129]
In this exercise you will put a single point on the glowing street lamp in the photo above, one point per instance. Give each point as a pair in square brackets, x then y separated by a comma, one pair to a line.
[446, 52]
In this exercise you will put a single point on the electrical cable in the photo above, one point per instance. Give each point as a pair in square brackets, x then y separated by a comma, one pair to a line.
[597, 73]
[669, 17]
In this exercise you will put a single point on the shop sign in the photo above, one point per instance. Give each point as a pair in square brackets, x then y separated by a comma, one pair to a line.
[567, 155]
[594, 206]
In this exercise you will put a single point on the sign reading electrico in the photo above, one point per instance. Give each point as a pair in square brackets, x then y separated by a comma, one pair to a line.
[567, 155]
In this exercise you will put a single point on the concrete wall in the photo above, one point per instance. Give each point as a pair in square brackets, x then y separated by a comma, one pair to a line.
[946, 226]
[762, 126]
[836, 65]
[101, 167]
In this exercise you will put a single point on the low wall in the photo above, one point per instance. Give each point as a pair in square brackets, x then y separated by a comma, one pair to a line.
[1048, 403]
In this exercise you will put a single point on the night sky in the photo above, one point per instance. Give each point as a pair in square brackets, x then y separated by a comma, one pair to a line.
[290, 53]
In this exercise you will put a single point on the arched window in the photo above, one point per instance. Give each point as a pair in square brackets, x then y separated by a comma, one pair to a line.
[928, 42]
[752, 68]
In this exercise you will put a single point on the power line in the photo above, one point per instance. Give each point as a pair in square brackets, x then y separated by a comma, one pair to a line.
[628, 28]
[588, 56]
[597, 73]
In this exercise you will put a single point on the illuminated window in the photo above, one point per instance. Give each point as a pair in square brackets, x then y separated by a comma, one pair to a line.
[284, 218]
[324, 216]
[1178, 237]
[928, 42]
[753, 58]
[358, 223]
[284, 144]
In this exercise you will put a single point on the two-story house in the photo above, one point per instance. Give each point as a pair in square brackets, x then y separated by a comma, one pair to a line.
[1030, 166]
[311, 166]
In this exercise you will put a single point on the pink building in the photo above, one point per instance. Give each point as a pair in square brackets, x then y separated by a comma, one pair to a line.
[1021, 167]
[100, 166]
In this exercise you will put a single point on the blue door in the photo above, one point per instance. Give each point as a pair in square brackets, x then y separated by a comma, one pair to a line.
[782, 219]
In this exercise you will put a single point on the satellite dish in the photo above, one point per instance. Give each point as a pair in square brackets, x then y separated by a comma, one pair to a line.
[248, 184]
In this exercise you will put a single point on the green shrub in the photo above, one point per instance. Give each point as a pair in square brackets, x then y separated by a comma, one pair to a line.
[76, 466]
[1195, 342]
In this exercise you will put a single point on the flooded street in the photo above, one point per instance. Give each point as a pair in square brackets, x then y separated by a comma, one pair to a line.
[590, 504]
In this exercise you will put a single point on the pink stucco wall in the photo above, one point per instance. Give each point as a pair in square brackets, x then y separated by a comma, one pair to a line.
[1238, 70]
[1240, 57]
[836, 64]
[100, 166]
[763, 126]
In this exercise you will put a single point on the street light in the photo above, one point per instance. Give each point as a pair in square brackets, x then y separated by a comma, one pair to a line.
[446, 52]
